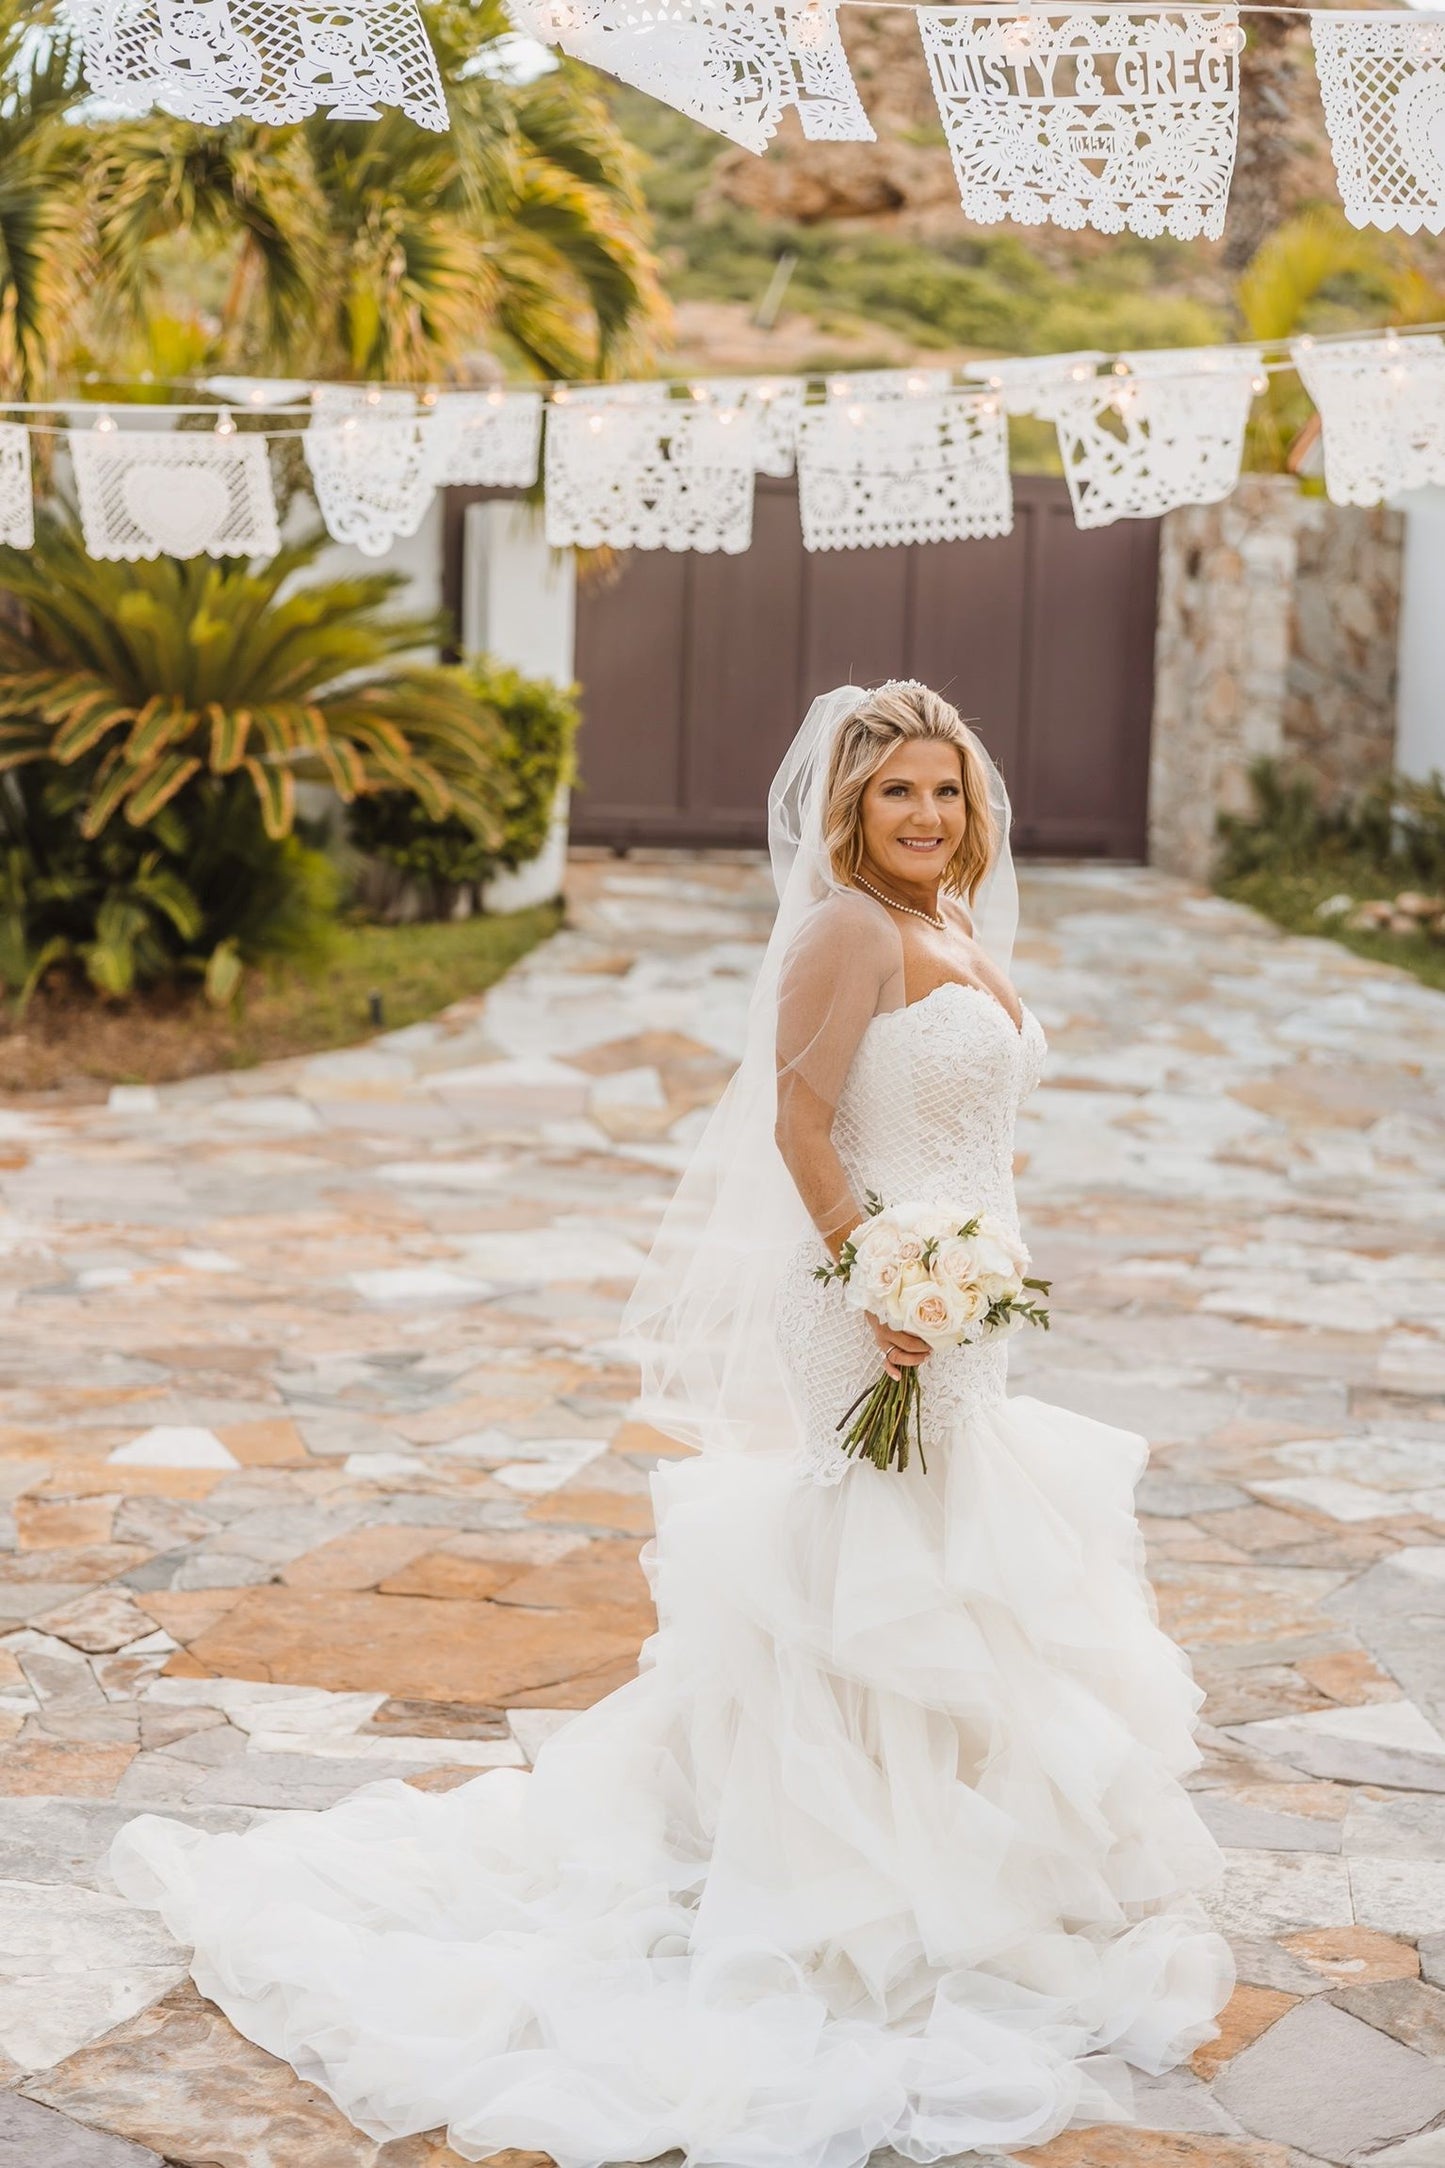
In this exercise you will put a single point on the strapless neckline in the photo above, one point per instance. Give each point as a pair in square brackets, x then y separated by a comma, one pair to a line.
[963, 986]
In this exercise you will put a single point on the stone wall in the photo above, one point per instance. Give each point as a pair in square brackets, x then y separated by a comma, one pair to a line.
[1278, 635]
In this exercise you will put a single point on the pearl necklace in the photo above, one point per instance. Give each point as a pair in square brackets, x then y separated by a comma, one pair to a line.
[928, 917]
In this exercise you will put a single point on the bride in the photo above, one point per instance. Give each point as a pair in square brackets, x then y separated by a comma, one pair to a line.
[885, 1845]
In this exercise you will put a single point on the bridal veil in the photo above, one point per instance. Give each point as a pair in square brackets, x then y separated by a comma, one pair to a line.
[699, 1321]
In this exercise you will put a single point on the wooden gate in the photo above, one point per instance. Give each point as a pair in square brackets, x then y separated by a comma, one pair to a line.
[696, 670]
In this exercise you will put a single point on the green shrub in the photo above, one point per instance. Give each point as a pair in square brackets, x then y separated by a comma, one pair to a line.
[1393, 828]
[533, 727]
[199, 891]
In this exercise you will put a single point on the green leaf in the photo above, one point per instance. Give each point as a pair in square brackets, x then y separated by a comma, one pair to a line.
[277, 792]
[161, 721]
[163, 887]
[89, 721]
[229, 730]
[113, 781]
[165, 779]
[224, 974]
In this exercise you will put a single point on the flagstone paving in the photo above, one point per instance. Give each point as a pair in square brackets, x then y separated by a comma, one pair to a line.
[317, 1467]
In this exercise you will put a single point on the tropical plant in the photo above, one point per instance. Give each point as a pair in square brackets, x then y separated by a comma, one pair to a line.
[436, 859]
[158, 673]
[1393, 826]
[1316, 272]
[200, 890]
[389, 251]
[44, 230]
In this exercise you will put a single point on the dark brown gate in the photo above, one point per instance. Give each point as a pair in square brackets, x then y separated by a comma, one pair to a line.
[695, 670]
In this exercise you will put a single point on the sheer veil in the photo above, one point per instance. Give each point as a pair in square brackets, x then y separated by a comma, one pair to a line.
[699, 1320]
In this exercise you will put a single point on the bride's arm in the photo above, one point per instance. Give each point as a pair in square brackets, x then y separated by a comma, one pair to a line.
[841, 970]
[805, 1138]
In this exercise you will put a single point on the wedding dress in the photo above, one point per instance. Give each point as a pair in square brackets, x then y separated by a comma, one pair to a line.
[884, 1846]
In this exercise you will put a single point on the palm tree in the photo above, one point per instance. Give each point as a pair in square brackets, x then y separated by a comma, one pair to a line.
[154, 674]
[44, 252]
[389, 251]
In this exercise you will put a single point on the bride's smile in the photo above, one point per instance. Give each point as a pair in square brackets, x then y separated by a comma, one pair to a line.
[913, 817]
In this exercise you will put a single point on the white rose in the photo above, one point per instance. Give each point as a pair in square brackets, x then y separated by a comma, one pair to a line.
[955, 1262]
[874, 1243]
[997, 1267]
[873, 1285]
[1004, 1241]
[931, 1311]
[970, 1304]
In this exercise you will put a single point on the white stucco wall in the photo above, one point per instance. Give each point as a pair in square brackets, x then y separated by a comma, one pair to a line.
[1420, 746]
[519, 604]
[518, 596]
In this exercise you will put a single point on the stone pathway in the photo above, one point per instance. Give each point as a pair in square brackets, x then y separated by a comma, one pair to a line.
[318, 1468]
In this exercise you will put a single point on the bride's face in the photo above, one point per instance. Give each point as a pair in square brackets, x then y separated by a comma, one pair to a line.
[913, 811]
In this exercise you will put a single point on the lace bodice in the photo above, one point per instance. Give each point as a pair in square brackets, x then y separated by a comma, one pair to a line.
[962, 1068]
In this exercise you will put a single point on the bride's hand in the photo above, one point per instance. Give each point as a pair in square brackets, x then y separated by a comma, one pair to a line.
[901, 1350]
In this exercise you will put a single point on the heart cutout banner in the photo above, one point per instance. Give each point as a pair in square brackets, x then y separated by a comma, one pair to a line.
[174, 493]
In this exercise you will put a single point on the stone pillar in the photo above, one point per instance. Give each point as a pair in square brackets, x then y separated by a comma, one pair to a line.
[1277, 638]
[1340, 710]
[1226, 582]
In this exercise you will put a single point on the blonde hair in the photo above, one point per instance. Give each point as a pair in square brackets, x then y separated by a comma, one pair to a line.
[897, 715]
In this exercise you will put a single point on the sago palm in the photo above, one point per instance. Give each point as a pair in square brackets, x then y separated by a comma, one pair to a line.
[157, 673]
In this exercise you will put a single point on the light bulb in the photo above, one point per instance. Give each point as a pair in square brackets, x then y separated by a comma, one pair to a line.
[225, 426]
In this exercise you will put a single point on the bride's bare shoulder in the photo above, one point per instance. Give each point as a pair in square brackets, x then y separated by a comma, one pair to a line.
[848, 926]
[845, 952]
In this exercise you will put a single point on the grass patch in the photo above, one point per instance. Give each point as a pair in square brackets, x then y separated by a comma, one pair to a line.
[71, 1040]
[1289, 855]
[1291, 899]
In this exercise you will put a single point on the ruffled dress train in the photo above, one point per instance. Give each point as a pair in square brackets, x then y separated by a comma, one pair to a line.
[886, 1845]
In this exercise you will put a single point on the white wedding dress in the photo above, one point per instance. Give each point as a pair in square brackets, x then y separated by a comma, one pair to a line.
[885, 1845]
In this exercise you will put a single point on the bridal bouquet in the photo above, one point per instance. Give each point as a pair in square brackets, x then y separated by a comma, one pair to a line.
[934, 1271]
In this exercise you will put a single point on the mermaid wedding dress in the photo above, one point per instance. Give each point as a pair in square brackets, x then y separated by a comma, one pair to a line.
[885, 1845]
